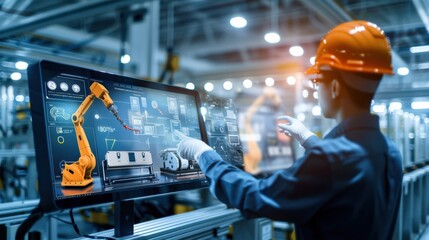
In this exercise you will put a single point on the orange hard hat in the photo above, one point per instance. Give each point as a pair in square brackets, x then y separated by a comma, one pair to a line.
[355, 46]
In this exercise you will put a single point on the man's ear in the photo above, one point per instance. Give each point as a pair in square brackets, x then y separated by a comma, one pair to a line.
[335, 89]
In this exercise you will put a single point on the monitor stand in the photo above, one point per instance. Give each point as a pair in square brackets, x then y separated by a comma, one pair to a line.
[124, 218]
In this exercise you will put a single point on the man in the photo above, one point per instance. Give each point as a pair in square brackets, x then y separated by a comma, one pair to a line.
[346, 186]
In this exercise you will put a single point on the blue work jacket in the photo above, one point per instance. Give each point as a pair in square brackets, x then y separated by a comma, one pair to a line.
[346, 186]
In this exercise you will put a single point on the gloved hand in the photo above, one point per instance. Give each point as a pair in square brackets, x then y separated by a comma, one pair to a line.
[190, 148]
[294, 128]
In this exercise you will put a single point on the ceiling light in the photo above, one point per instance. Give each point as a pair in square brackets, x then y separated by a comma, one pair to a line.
[302, 107]
[21, 65]
[315, 95]
[190, 85]
[272, 37]
[316, 111]
[296, 51]
[419, 49]
[238, 22]
[227, 85]
[420, 105]
[305, 93]
[403, 71]
[395, 106]
[291, 80]
[203, 111]
[269, 82]
[15, 76]
[208, 87]
[301, 117]
[19, 98]
[379, 108]
[125, 59]
[313, 60]
[247, 83]
[406, 114]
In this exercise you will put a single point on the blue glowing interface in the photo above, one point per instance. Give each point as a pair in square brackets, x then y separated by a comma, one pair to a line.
[124, 158]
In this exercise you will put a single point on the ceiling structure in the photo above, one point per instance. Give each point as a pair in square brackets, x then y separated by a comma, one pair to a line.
[94, 33]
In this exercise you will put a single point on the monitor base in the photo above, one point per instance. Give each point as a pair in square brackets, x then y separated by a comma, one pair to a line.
[124, 218]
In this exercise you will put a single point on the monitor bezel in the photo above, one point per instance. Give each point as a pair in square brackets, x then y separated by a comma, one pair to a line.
[48, 199]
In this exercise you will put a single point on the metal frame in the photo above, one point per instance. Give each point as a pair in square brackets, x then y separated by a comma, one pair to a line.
[198, 224]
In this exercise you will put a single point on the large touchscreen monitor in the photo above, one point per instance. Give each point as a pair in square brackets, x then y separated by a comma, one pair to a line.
[102, 137]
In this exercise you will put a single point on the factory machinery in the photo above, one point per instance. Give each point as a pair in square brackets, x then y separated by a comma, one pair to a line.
[410, 133]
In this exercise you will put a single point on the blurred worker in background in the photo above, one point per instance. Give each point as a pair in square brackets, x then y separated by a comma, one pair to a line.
[259, 126]
[346, 186]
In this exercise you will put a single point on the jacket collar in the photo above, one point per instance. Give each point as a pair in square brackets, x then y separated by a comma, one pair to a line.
[361, 121]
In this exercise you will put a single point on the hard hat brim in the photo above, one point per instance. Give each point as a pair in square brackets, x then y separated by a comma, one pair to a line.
[316, 69]
[313, 70]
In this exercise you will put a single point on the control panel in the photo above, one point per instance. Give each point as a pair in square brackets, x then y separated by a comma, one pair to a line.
[128, 158]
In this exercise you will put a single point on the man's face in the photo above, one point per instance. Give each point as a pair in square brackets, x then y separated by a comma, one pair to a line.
[325, 99]
[324, 89]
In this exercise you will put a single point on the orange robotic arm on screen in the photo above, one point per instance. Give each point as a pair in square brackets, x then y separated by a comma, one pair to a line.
[78, 174]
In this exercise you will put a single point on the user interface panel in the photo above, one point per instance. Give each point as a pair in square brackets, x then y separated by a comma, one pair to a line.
[221, 121]
[131, 135]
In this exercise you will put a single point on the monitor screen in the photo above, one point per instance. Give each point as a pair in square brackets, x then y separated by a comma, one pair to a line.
[221, 123]
[101, 137]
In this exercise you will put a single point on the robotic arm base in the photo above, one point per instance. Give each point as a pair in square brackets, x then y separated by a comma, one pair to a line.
[72, 176]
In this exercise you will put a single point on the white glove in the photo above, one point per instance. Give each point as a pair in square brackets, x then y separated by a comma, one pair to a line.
[294, 128]
[190, 148]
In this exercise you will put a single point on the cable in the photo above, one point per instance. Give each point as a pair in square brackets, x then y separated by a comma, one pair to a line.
[25, 226]
[76, 229]
[61, 220]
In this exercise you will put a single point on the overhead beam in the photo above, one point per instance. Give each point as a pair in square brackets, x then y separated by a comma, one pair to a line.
[70, 58]
[403, 93]
[231, 43]
[254, 40]
[252, 68]
[73, 36]
[329, 11]
[64, 14]
[105, 44]
[20, 6]
[422, 7]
